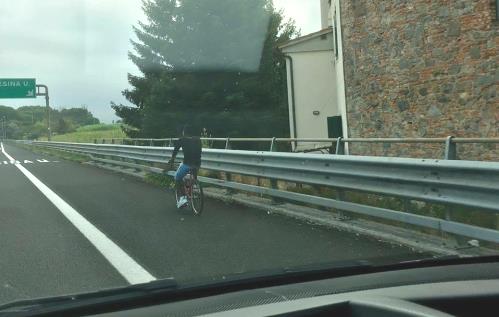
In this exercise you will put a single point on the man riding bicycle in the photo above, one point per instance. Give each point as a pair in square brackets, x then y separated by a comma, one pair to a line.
[191, 146]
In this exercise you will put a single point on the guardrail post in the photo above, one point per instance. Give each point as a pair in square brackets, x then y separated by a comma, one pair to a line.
[228, 176]
[340, 146]
[332, 149]
[170, 144]
[450, 149]
[273, 182]
[272, 145]
[448, 215]
[340, 196]
[95, 141]
[152, 143]
[406, 207]
[457, 239]
[407, 204]
[274, 185]
[112, 141]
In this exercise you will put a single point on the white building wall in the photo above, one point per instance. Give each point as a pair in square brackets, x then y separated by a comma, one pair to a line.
[340, 74]
[314, 81]
[331, 16]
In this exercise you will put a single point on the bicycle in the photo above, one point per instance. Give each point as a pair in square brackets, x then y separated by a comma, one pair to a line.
[194, 193]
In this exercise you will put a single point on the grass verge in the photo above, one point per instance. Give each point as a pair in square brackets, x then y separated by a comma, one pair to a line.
[160, 180]
[87, 134]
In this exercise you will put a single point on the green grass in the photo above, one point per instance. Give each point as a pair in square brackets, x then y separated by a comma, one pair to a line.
[87, 134]
[163, 181]
[98, 127]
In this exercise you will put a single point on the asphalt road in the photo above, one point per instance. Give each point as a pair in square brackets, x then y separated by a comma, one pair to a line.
[67, 228]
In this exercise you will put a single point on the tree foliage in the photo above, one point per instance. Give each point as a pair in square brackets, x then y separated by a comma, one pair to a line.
[30, 122]
[212, 63]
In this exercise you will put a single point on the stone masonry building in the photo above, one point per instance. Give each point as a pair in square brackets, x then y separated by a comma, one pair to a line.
[418, 68]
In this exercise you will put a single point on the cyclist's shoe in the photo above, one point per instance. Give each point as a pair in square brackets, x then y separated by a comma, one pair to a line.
[182, 202]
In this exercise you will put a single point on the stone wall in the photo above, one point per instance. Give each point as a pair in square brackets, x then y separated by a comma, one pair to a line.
[421, 68]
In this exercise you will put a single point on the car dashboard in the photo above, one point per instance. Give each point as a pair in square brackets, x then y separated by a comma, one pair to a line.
[450, 290]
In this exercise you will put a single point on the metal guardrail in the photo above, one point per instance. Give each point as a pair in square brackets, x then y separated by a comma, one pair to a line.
[454, 183]
[337, 145]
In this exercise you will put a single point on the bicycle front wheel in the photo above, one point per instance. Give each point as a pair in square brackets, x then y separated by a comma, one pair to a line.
[197, 198]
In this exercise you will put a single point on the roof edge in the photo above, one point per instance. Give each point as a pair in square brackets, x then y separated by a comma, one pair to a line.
[305, 38]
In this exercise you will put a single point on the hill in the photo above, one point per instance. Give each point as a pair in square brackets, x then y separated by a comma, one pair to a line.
[87, 134]
[30, 122]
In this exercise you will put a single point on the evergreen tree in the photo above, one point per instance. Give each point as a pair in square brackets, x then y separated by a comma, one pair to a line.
[211, 63]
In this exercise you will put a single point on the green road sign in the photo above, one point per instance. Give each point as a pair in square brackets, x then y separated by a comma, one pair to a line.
[14, 88]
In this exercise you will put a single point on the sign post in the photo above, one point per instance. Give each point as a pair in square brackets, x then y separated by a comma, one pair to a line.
[43, 90]
[3, 128]
[22, 88]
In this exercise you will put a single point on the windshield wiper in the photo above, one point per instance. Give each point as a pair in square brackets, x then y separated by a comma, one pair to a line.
[108, 296]
[441, 260]
[434, 259]
[286, 275]
[297, 274]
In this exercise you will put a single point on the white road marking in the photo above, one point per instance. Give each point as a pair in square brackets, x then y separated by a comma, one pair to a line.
[133, 272]
[14, 162]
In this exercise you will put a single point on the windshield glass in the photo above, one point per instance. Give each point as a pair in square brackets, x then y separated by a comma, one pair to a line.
[201, 140]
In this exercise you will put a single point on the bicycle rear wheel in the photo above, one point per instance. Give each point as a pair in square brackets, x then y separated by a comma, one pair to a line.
[197, 197]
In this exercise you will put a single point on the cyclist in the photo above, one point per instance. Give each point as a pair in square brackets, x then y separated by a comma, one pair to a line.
[191, 146]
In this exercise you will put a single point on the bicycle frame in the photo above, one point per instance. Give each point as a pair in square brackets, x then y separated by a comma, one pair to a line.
[188, 188]
[190, 179]
[188, 182]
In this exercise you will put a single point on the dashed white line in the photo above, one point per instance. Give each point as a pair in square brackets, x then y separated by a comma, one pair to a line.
[133, 272]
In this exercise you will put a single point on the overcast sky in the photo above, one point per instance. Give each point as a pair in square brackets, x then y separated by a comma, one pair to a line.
[79, 47]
